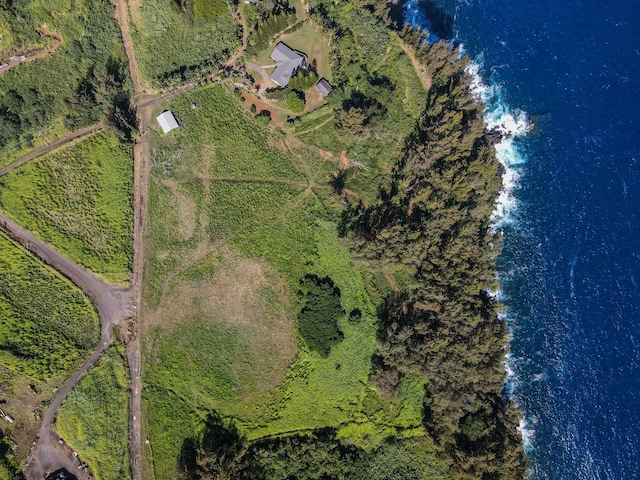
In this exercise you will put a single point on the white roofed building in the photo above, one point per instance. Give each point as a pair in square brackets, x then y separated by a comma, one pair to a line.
[167, 121]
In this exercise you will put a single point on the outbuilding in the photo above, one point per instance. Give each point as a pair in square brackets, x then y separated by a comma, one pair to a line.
[167, 121]
[323, 87]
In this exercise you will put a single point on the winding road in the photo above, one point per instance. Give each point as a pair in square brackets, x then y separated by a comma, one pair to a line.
[113, 304]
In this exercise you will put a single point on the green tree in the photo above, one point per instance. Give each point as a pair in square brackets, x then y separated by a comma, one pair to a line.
[295, 101]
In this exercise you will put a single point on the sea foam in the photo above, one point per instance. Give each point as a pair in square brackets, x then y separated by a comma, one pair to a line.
[511, 124]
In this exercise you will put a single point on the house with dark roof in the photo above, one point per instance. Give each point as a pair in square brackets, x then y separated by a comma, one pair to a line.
[288, 62]
[323, 87]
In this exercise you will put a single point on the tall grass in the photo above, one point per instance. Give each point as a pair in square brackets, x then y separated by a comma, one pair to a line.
[78, 200]
[93, 419]
[174, 44]
[47, 326]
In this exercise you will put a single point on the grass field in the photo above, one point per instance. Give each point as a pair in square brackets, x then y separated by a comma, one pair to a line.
[93, 419]
[173, 43]
[237, 219]
[45, 98]
[78, 200]
[47, 329]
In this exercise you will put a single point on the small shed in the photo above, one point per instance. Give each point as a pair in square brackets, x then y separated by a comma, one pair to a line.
[323, 87]
[167, 121]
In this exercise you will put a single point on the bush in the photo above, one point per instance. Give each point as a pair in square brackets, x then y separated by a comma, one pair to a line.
[318, 318]
[295, 101]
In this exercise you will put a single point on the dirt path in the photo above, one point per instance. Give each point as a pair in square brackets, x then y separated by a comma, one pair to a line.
[47, 148]
[121, 17]
[418, 67]
[113, 304]
[245, 36]
[141, 175]
[18, 59]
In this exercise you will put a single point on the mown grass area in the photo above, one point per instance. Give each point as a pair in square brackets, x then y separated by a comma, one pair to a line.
[78, 200]
[45, 98]
[226, 260]
[179, 41]
[93, 419]
[47, 329]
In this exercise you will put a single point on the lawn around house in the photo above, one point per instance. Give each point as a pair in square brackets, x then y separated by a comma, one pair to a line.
[77, 199]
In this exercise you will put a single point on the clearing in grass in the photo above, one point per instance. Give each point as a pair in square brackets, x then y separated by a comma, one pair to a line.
[93, 419]
[77, 199]
[237, 220]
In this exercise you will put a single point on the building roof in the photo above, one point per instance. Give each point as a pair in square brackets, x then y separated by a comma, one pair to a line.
[288, 62]
[167, 121]
[323, 87]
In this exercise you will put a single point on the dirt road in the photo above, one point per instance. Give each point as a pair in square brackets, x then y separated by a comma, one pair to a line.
[113, 304]
[121, 17]
[18, 59]
[47, 148]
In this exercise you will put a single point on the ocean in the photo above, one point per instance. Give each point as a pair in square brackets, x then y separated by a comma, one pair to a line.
[564, 77]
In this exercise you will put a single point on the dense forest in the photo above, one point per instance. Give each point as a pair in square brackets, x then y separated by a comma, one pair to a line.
[431, 218]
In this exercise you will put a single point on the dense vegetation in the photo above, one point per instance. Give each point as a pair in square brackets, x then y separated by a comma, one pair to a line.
[431, 218]
[93, 419]
[80, 83]
[319, 313]
[183, 40]
[219, 452]
[46, 325]
[78, 200]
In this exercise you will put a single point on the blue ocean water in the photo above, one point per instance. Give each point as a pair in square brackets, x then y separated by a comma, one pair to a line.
[571, 264]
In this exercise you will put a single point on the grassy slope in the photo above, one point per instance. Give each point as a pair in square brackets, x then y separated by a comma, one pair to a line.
[94, 417]
[168, 40]
[90, 38]
[77, 199]
[289, 226]
[46, 325]
[47, 329]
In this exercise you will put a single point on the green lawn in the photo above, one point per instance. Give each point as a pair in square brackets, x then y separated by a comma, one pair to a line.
[78, 200]
[93, 419]
[225, 263]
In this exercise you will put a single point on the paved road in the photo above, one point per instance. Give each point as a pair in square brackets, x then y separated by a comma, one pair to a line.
[113, 304]
[47, 148]
[266, 79]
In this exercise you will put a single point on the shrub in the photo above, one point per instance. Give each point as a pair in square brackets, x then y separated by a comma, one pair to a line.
[318, 318]
[295, 101]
